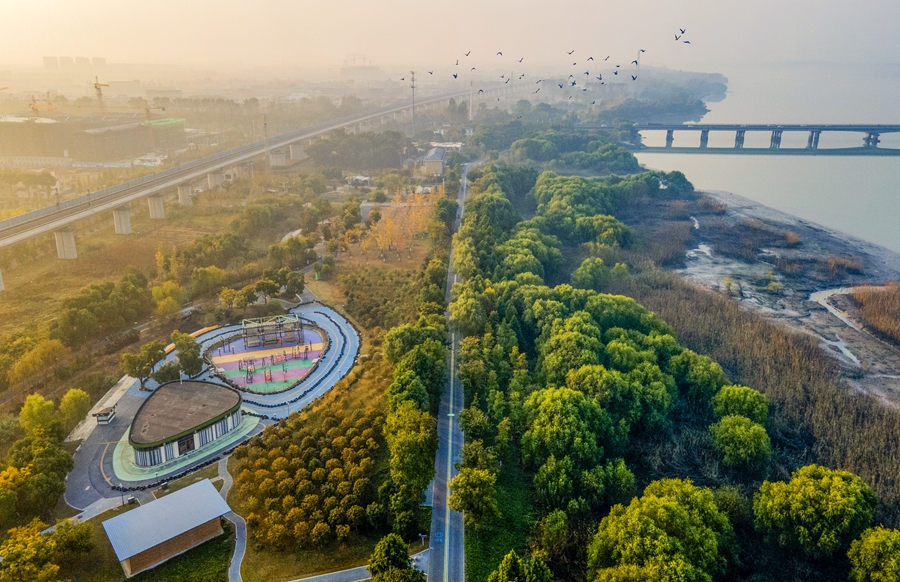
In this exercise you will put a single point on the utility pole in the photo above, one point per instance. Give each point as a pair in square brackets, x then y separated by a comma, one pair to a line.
[412, 85]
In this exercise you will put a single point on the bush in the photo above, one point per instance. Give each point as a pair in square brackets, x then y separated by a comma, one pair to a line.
[742, 401]
[741, 442]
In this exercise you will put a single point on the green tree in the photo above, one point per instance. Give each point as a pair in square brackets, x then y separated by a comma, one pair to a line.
[141, 365]
[820, 510]
[673, 527]
[390, 552]
[37, 414]
[875, 556]
[74, 538]
[73, 407]
[473, 494]
[206, 280]
[515, 569]
[743, 401]
[411, 436]
[741, 442]
[698, 377]
[28, 555]
[267, 288]
[190, 357]
[592, 274]
[169, 297]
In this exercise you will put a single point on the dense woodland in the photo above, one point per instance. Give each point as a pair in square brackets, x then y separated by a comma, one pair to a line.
[599, 445]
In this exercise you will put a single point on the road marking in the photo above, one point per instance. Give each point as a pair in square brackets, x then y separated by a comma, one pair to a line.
[102, 470]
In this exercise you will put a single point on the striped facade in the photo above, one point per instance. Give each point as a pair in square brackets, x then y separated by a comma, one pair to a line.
[158, 454]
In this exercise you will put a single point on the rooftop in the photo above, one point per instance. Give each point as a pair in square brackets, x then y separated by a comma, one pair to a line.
[435, 155]
[152, 524]
[177, 408]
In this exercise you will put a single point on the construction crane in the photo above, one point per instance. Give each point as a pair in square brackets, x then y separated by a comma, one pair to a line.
[36, 106]
[98, 87]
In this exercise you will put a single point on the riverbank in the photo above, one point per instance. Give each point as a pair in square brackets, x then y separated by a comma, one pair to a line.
[798, 273]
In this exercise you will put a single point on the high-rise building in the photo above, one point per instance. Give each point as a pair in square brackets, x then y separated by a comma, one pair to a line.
[51, 63]
[66, 63]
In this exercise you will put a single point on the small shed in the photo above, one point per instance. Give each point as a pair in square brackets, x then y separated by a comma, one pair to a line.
[106, 414]
[153, 533]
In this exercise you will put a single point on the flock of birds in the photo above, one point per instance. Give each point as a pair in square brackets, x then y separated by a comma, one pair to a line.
[573, 81]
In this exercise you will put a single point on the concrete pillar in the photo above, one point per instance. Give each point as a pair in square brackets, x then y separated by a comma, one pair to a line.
[122, 219]
[739, 139]
[184, 195]
[215, 179]
[670, 137]
[296, 151]
[277, 158]
[157, 210]
[2, 287]
[872, 139]
[775, 141]
[65, 243]
[704, 138]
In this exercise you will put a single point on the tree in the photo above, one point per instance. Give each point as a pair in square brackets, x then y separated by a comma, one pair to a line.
[820, 510]
[294, 284]
[37, 414]
[875, 556]
[741, 442]
[390, 552]
[41, 360]
[592, 274]
[515, 569]
[141, 365]
[27, 555]
[673, 527]
[74, 538]
[74, 407]
[473, 494]
[267, 288]
[189, 353]
[698, 377]
[169, 297]
[400, 575]
[743, 401]
[411, 436]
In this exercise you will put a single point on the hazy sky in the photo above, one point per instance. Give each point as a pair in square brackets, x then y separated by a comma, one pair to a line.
[432, 34]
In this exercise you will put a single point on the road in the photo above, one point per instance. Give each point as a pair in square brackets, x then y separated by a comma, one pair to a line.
[448, 560]
[53, 218]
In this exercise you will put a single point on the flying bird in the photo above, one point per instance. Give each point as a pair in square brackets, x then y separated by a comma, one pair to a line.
[480, 91]
[573, 84]
[505, 82]
[499, 53]
[593, 102]
[455, 75]
[457, 62]
[585, 89]
[522, 59]
[617, 66]
[573, 64]
[590, 58]
[600, 78]
[402, 78]
[571, 51]
[687, 42]
[571, 76]
[519, 117]
[615, 72]
[468, 53]
[633, 78]
[635, 62]
[560, 85]
[473, 68]
[643, 51]
[606, 59]
[682, 30]
[430, 72]
[677, 37]
[502, 76]
[538, 89]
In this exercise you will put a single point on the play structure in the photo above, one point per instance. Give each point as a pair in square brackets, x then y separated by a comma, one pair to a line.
[272, 354]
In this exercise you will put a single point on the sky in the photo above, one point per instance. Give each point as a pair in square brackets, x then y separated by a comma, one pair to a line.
[224, 34]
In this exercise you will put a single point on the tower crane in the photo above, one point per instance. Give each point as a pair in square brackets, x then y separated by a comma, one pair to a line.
[36, 106]
[98, 87]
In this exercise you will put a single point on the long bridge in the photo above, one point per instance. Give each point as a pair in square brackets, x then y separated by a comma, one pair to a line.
[870, 138]
[212, 170]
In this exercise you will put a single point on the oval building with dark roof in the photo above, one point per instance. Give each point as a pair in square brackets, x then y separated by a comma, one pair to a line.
[180, 417]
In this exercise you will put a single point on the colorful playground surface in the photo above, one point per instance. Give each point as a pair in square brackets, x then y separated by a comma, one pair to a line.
[266, 369]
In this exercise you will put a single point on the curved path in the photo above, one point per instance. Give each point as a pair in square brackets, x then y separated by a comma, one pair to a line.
[89, 485]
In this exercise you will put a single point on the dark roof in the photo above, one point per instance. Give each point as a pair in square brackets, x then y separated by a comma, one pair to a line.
[158, 521]
[435, 155]
[180, 408]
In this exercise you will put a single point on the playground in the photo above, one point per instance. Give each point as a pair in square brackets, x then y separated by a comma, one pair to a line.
[271, 354]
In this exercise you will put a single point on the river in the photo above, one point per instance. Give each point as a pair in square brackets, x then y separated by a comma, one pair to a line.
[856, 195]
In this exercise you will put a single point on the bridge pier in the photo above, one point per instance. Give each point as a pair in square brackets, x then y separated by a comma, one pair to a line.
[157, 209]
[812, 142]
[297, 152]
[184, 195]
[277, 158]
[704, 138]
[739, 139]
[2, 286]
[872, 139]
[65, 243]
[775, 141]
[122, 219]
[242, 171]
[215, 179]
[670, 137]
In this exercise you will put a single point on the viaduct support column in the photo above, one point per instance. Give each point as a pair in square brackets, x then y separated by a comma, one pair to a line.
[122, 219]
[775, 141]
[739, 139]
[872, 139]
[65, 243]
[704, 138]
[297, 152]
[184, 195]
[812, 143]
[215, 179]
[157, 210]
[670, 137]
[276, 158]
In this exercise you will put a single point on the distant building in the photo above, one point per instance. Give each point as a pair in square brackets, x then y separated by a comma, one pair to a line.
[360, 181]
[51, 63]
[98, 62]
[433, 164]
[82, 62]
[162, 529]
[66, 63]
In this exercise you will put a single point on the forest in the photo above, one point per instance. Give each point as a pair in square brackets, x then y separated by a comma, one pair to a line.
[600, 447]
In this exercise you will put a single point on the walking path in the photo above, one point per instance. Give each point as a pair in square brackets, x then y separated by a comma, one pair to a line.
[240, 526]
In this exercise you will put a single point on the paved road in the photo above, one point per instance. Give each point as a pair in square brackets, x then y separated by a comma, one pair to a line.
[420, 562]
[240, 526]
[448, 564]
